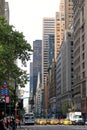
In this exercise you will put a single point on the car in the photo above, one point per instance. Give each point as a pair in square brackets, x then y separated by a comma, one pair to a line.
[37, 121]
[48, 121]
[67, 122]
[54, 121]
[43, 122]
[61, 121]
[79, 121]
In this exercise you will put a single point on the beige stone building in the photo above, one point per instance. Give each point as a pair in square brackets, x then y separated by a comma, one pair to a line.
[63, 21]
[68, 13]
[59, 28]
[79, 89]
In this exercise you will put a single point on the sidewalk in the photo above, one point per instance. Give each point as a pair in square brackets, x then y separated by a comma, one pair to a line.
[18, 128]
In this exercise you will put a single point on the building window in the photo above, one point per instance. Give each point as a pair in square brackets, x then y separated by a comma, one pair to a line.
[83, 56]
[71, 43]
[83, 47]
[83, 65]
[83, 74]
[83, 89]
[82, 28]
[82, 38]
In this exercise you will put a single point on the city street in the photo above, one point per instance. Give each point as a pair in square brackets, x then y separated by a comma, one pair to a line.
[43, 64]
[54, 127]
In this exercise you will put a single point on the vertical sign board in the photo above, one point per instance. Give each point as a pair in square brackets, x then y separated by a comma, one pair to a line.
[4, 92]
[7, 99]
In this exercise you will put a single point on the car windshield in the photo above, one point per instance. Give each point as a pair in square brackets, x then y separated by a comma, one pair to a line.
[77, 116]
[29, 117]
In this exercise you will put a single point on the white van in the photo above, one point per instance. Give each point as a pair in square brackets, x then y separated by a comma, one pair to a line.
[75, 117]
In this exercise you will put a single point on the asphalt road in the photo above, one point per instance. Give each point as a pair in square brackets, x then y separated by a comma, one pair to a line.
[53, 127]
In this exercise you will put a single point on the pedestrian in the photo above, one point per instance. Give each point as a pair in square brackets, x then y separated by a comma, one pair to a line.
[14, 125]
[2, 125]
[18, 123]
[7, 124]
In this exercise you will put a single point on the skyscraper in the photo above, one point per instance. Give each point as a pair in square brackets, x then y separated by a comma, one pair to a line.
[59, 28]
[51, 48]
[37, 62]
[63, 21]
[48, 29]
[68, 13]
[31, 78]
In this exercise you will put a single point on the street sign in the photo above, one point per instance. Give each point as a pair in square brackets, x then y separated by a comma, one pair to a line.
[4, 84]
[7, 99]
[4, 91]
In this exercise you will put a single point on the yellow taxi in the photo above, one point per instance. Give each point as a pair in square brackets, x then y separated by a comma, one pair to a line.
[43, 122]
[48, 121]
[37, 121]
[67, 122]
[61, 121]
[54, 121]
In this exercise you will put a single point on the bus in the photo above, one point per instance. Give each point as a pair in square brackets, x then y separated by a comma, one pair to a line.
[29, 119]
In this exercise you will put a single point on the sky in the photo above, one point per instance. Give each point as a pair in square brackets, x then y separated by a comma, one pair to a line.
[27, 15]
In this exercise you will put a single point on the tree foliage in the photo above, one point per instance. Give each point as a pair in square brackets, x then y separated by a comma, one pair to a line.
[65, 108]
[13, 46]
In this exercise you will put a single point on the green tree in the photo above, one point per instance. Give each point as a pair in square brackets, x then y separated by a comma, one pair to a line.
[13, 46]
[65, 108]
